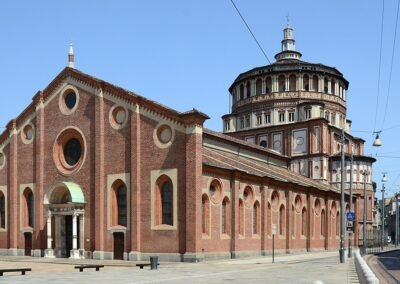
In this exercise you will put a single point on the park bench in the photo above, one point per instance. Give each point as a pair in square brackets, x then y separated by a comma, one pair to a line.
[141, 265]
[84, 266]
[22, 270]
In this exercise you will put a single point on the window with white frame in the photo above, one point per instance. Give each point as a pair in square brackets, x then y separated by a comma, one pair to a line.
[267, 117]
[282, 116]
[291, 115]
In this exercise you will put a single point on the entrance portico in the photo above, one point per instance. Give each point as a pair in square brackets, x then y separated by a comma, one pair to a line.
[65, 205]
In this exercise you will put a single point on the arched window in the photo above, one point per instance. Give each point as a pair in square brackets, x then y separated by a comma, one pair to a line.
[119, 204]
[306, 83]
[323, 223]
[258, 87]
[337, 224]
[332, 87]
[241, 217]
[28, 207]
[315, 83]
[256, 218]
[304, 222]
[326, 85]
[241, 92]
[268, 85]
[282, 222]
[164, 201]
[281, 83]
[248, 90]
[292, 82]
[2, 210]
[205, 220]
[225, 223]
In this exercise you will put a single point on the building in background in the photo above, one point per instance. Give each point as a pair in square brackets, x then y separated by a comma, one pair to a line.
[91, 170]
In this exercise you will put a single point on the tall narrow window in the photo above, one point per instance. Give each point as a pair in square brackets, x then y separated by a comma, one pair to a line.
[248, 120]
[326, 85]
[337, 224]
[306, 83]
[121, 205]
[205, 216]
[2, 211]
[241, 217]
[323, 223]
[256, 218]
[315, 83]
[225, 224]
[268, 85]
[267, 118]
[28, 214]
[248, 90]
[308, 112]
[281, 83]
[282, 223]
[291, 116]
[258, 87]
[304, 222]
[166, 203]
[281, 116]
[292, 83]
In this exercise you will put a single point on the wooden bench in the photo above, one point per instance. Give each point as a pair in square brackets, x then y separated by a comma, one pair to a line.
[22, 270]
[141, 265]
[83, 266]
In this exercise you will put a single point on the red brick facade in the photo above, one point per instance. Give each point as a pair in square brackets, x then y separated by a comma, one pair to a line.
[129, 142]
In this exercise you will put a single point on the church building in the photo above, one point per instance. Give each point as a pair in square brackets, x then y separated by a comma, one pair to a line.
[91, 170]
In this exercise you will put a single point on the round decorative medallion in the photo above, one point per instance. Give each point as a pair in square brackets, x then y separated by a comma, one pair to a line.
[299, 140]
[277, 144]
[27, 133]
[118, 117]
[69, 151]
[163, 136]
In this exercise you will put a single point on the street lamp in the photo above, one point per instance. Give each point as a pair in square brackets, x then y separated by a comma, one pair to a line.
[383, 209]
[364, 173]
[351, 201]
[342, 249]
[377, 141]
[397, 220]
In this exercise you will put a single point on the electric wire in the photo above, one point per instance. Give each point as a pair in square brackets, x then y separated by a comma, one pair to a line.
[254, 37]
[379, 67]
[391, 65]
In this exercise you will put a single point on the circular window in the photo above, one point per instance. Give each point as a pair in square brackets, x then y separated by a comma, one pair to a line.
[299, 140]
[275, 199]
[163, 136]
[69, 151]
[72, 151]
[248, 196]
[215, 191]
[27, 134]
[118, 117]
[70, 100]
[2, 160]
[297, 203]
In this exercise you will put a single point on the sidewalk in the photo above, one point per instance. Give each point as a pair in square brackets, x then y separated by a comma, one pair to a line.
[294, 268]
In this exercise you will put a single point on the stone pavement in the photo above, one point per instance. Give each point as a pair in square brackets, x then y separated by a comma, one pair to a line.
[295, 268]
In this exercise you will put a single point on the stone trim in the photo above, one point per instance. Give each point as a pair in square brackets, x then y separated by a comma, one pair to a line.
[126, 179]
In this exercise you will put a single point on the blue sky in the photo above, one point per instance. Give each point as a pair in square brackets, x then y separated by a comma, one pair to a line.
[186, 54]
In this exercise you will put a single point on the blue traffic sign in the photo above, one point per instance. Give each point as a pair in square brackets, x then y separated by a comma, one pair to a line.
[350, 216]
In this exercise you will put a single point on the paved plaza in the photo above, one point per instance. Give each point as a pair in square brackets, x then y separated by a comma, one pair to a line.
[297, 268]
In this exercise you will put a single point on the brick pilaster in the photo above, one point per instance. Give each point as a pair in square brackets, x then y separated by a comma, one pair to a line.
[13, 187]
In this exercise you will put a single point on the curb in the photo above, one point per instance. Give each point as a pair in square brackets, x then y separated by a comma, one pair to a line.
[365, 274]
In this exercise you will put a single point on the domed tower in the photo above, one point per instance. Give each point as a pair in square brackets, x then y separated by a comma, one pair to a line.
[297, 109]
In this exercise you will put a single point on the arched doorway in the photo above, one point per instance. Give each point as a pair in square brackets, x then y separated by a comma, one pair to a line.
[65, 205]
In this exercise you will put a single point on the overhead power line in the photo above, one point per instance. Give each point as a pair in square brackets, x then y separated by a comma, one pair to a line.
[391, 64]
[254, 37]
[379, 68]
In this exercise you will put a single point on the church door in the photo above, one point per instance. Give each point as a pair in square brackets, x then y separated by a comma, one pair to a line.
[119, 245]
[68, 235]
[28, 243]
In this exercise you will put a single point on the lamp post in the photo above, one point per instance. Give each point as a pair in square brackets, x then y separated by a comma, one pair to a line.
[364, 173]
[342, 249]
[383, 210]
[397, 221]
[351, 201]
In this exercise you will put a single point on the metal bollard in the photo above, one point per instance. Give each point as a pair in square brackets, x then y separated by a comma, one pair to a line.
[153, 262]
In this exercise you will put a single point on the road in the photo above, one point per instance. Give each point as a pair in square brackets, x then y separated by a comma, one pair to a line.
[386, 266]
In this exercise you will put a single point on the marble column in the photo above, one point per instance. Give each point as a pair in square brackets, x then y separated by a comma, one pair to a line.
[75, 252]
[81, 232]
[49, 253]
